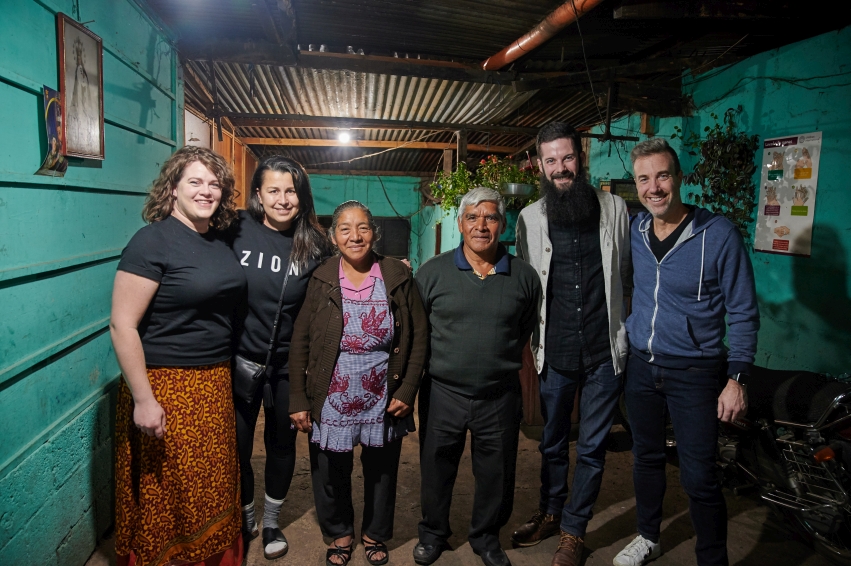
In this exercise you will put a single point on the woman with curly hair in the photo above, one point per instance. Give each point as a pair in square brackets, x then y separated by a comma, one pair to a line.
[176, 467]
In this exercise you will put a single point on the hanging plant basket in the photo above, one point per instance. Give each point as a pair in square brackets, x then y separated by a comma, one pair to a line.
[724, 169]
[517, 190]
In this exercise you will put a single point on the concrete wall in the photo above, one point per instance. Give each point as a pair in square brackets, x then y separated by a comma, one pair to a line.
[805, 303]
[60, 240]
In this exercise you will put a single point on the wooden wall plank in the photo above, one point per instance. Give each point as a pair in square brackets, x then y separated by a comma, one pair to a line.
[48, 312]
[80, 224]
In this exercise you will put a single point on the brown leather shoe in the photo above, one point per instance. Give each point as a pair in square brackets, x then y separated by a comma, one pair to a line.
[569, 552]
[536, 529]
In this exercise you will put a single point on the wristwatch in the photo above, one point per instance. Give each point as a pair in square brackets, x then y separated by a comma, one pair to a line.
[740, 378]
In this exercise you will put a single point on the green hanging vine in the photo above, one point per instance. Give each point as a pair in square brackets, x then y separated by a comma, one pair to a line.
[724, 169]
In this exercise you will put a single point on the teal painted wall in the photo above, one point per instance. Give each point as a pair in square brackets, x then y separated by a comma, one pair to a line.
[424, 235]
[402, 197]
[398, 197]
[610, 160]
[805, 303]
[60, 240]
[385, 197]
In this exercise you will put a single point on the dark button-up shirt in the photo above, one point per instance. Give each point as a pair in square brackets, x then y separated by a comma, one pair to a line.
[577, 335]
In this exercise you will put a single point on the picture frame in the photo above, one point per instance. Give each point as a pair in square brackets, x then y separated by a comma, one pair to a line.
[80, 55]
[627, 190]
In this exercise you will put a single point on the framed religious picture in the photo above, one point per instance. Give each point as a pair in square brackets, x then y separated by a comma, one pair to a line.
[81, 84]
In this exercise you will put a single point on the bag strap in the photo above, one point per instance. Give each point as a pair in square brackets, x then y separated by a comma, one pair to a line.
[278, 314]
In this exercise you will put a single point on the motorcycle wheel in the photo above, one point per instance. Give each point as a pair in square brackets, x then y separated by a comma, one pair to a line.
[835, 547]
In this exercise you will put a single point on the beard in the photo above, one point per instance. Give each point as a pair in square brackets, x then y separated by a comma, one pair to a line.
[574, 205]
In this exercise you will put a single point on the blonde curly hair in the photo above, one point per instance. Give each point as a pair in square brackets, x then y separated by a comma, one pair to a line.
[160, 201]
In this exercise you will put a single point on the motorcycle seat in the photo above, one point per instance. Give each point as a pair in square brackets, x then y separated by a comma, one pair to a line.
[793, 396]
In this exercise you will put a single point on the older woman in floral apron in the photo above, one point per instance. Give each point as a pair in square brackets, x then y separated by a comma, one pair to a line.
[356, 359]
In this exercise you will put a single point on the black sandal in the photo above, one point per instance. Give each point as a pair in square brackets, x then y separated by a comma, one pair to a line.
[373, 548]
[271, 536]
[344, 552]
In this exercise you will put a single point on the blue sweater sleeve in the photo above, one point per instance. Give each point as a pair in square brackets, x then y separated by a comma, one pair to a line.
[739, 289]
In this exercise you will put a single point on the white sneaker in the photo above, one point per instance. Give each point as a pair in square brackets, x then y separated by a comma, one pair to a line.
[639, 551]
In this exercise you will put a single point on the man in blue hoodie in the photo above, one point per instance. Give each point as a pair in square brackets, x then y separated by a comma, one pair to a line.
[692, 280]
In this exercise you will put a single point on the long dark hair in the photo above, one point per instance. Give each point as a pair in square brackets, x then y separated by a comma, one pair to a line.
[309, 241]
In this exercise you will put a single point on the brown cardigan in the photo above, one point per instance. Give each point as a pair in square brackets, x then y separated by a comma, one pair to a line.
[318, 330]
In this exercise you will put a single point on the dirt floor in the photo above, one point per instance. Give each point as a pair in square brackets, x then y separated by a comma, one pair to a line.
[756, 538]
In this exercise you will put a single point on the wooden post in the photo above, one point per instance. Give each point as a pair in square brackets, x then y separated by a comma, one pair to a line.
[462, 146]
[447, 168]
[646, 124]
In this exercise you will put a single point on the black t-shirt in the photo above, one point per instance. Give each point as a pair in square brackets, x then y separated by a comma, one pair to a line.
[264, 255]
[188, 322]
[660, 248]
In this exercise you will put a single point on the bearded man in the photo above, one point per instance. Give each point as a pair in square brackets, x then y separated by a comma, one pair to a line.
[577, 239]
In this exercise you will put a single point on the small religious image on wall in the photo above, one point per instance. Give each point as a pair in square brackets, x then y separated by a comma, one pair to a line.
[81, 84]
[54, 164]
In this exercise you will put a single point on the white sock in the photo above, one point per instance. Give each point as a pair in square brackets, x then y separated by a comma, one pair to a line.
[271, 510]
[249, 522]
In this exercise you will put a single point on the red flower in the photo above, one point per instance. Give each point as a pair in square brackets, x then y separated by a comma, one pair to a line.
[339, 383]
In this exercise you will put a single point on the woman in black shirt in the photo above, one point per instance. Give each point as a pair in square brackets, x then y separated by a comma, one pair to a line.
[278, 234]
[176, 289]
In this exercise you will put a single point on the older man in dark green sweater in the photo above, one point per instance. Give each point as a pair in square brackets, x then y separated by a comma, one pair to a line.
[482, 304]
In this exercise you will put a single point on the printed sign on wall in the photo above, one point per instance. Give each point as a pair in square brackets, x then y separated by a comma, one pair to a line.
[787, 194]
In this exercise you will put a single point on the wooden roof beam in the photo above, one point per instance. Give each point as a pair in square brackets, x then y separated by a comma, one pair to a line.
[297, 142]
[234, 51]
[303, 121]
[371, 172]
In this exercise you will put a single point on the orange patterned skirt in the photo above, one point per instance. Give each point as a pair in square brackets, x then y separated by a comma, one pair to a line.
[177, 499]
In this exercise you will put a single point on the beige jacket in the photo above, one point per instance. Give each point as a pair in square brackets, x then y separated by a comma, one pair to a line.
[534, 246]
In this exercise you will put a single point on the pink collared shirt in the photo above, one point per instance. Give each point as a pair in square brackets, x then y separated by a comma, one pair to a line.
[351, 291]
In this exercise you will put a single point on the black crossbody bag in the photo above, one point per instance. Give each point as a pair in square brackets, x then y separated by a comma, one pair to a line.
[248, 376]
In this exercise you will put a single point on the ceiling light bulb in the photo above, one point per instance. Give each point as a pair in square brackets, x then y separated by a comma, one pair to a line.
[344, 137]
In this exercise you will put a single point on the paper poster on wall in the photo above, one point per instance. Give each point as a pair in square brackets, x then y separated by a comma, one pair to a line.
[787, 194]
[54, 164]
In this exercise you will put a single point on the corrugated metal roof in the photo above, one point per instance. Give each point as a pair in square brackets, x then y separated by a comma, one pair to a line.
[459, 30]
[294, 90]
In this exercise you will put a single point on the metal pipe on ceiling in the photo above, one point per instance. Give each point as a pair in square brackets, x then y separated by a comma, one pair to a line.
[562, 16]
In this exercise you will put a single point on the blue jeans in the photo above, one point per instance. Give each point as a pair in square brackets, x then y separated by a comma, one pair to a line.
[600, 390]
[692, 399]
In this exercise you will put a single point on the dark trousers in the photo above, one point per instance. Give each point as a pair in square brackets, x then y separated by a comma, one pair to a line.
[494, 424]
[331, 473]
[692, 400]
[278, 437]
[600, 391]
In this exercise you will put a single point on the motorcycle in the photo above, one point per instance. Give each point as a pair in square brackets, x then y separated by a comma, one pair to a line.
[794, 450]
